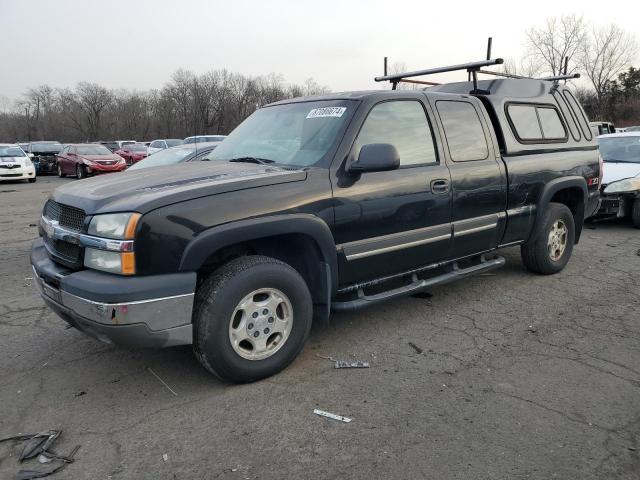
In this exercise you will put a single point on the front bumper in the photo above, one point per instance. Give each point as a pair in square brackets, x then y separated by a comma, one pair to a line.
[19, 173]
[98, 168]
[616, 204]
[151, 311]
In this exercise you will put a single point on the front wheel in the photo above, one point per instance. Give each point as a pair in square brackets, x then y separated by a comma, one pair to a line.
[635, 213]
[550, 248]
[81, 172]
[32, 180]
[60, 173]
[252, 317]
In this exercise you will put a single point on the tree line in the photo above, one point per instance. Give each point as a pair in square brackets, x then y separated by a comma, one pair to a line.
[188, 104]
[603, 54]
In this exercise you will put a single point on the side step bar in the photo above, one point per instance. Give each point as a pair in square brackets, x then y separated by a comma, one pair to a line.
[417, 285]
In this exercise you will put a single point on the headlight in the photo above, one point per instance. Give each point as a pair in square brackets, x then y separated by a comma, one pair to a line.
[114, 225]
[112, 262]
[86, 161]
[623, 186]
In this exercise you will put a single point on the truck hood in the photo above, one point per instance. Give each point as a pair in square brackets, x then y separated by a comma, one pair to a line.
[619, 171]
[147, 189]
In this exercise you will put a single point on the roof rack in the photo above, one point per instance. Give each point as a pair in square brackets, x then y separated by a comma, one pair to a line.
[472, 68]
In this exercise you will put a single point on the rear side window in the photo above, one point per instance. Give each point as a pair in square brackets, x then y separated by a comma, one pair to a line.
[569, 117]
[536, 123]
[403, 124]
[582, 119]
[463, 130]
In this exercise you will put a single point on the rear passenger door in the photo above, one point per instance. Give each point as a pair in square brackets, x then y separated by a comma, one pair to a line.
[394, 221]
[478, 176]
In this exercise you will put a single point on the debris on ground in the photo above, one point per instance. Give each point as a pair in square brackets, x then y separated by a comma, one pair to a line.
[332, 416]
[79, 393]
[343, 364]
[416, 348]
[165, 457]
[532, 329]
[162, 381]
[638, 253]
[38, 445]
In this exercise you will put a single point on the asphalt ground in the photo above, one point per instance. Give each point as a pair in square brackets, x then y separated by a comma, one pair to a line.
[508, 375]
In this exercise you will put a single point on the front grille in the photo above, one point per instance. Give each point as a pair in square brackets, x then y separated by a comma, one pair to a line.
[13, 165]
[47, 158]
[69, 217]
[66, 253]
[7, 175]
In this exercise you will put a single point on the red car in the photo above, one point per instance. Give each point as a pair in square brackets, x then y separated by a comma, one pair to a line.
[84, 159]
[133, 152]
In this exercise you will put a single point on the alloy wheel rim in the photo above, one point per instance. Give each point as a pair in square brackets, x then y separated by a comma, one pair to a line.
[260, 324]
[557, 241]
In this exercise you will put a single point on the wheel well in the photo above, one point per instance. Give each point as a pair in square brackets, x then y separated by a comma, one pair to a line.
[298, 250]
[573, 198]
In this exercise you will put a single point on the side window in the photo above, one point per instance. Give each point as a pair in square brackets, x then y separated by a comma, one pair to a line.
[463, 131]
[155, 144]
[536, 123]
[571, 120]
[525, 122]
[582, 119]
[403, 124]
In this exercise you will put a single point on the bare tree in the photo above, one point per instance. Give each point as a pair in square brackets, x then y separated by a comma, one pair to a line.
[606, 51]
[527, 67]
[558, 38]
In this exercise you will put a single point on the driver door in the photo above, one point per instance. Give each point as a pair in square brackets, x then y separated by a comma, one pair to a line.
[394, 221]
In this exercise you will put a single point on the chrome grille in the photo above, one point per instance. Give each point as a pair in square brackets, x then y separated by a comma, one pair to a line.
[68, 252]
[69, 217]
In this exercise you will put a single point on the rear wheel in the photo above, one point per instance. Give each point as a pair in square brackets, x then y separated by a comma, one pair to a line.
[550, 248]
[60, 173]
[32, 180]
[635, 213]
[81, 172]
[252, 317]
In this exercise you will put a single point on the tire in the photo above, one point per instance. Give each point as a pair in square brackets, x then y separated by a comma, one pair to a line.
[81, 172]
[635, 213]
[541, 254]
[217, 310]
[32, 180]
[60, 173]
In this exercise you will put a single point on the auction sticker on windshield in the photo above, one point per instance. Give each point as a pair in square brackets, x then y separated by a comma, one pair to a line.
[327, 112]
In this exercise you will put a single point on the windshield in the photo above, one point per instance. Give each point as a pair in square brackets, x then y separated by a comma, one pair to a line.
[46, 147]
[93, 150]
[11, 152]
[620, 149]
[111, 145]
[297, 134]
[173, 143]
[168, 156]
[136, 148]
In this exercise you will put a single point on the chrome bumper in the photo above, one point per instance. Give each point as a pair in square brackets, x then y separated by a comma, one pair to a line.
[154, 322]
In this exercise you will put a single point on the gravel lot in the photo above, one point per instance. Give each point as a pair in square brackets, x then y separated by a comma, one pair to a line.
[519, 377]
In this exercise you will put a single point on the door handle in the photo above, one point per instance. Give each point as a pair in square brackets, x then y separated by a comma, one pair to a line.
[440, 186]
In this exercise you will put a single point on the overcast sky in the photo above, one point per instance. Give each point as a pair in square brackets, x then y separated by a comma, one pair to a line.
[139, 43]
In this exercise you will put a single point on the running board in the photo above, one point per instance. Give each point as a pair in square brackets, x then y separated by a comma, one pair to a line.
[417, 285]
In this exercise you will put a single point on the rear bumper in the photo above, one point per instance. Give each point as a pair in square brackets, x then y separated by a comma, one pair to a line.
[151, 311]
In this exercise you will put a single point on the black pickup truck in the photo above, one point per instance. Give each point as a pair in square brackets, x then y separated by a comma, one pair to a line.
[333, 202]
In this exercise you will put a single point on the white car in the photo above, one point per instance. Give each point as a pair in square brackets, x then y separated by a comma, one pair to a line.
[204, 138]
[15, 164]
[620, 195]
[161, 144]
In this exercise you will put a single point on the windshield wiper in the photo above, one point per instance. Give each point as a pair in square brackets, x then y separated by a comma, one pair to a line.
[259, 161]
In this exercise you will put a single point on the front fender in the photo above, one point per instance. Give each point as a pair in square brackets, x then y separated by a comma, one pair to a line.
[213, 239]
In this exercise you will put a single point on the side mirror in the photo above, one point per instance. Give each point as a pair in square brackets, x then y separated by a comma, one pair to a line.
[376, 157]
[30, 155]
